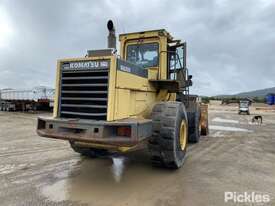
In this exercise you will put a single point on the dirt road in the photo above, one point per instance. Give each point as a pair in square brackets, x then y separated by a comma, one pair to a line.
[237, 156]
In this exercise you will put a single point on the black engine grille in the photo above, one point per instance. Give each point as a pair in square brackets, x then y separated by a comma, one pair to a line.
[84, 94]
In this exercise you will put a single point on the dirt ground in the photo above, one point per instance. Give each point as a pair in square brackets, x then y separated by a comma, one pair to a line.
[237, 156]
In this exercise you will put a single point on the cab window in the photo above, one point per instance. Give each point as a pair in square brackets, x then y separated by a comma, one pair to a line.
[145, 55]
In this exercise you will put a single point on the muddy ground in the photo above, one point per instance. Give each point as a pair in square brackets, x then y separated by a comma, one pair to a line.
[237, 156]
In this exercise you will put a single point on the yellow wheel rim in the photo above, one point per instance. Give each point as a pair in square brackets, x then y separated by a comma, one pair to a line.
[183, 134]
[200, 126]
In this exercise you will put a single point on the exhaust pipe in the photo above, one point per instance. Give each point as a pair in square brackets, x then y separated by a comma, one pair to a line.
[112, 35]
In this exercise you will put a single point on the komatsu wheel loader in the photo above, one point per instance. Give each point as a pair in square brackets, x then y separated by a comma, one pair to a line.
[110, 102]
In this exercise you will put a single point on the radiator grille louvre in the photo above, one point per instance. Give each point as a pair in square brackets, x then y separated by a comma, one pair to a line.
[84, 94]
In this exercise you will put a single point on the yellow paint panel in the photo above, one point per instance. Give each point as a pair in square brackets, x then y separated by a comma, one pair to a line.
[122, 103]
[153, 73]
[130, 81]
[163, 58]
[57, 90]
[134, 95]
[111, 90]
[141, 100]
[144, 103]
[130, 103]
[133, 102]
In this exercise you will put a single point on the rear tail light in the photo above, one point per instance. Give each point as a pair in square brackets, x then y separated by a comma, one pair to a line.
[124, 131]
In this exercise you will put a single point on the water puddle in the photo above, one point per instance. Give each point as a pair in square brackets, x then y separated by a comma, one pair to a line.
[92, 176]
[231, 129]
[218, 119]
[57, 192]
[112, 176]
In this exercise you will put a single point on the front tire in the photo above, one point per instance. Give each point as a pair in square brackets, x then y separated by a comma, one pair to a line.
[170, 132]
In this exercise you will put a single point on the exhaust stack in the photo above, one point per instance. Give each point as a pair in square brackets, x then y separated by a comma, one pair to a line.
[112, 35]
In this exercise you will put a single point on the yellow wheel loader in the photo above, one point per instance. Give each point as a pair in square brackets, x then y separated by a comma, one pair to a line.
[109, 102]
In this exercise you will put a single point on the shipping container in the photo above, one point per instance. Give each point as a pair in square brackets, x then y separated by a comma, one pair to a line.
[270, 99]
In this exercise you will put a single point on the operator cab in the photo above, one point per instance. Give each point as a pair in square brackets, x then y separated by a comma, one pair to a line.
[163, 57]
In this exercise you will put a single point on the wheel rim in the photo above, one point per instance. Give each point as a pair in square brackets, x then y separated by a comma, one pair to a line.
[183, 135]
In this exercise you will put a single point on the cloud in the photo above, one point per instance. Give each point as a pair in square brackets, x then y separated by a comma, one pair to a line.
[230, 43]
[6, 30]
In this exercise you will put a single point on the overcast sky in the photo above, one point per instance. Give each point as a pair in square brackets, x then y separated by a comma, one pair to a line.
[231, 43]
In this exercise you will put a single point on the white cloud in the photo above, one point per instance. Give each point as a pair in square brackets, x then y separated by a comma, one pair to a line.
[6, 29]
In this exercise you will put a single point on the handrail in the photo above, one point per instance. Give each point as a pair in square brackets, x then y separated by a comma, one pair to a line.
[182, 69]
[176, 61]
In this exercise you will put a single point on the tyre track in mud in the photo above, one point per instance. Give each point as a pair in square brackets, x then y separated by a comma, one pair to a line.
[33, 151]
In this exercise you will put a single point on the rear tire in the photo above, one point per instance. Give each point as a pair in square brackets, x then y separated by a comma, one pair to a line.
[194, 126]
[205, 130]
[170, 131]
[88, 152]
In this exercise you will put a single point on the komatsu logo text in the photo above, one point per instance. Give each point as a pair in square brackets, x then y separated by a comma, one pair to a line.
[86, 65]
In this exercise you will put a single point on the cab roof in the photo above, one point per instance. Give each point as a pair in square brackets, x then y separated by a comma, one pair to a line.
[146, 34]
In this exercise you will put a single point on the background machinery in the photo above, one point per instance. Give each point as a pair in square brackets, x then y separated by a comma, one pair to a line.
[109, 102]
[244, 107]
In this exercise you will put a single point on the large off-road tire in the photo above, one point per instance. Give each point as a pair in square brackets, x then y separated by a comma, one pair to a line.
[194, 125]
[88, 152]
[170, 132]
[205, 128]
